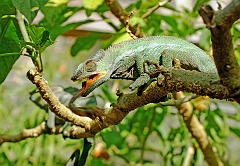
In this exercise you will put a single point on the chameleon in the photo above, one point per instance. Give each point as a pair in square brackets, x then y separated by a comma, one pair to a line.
[125, 61]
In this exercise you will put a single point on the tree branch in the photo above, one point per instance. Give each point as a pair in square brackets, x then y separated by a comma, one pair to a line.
[219, 24]
[197, 130]
[175, 80]
[69, 132]
[29, 133]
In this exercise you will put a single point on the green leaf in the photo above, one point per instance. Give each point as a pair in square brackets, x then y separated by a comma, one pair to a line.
[198, 4]
[148, 4]
[102, 8]
[35, 33]
[171, 21]
[45, 42]
[84, 43]
[112, 138]
[29, 8]
[122, 38]
[59, 29]
[92, 101]
[109, 94]
[7, 8]
[39, 37]
[205, 40]
[87, 146]
[56, 16]
[92, 4]
[235, 131]
[10, 37]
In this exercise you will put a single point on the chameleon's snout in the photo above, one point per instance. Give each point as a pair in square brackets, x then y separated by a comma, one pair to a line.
[74, 78]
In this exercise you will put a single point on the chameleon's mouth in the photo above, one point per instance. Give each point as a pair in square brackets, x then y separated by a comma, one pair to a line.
[89, 81]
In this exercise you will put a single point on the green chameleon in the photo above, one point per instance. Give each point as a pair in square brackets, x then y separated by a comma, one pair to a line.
[125, 61]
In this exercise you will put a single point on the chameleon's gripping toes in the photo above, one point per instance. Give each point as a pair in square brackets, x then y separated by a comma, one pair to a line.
[125, 61]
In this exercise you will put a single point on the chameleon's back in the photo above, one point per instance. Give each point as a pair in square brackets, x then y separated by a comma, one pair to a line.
[153, 48]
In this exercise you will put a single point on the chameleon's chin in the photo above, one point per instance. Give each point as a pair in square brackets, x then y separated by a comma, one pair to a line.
[89, 82]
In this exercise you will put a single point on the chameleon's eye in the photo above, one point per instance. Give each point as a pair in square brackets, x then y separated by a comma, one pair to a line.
[90, 66]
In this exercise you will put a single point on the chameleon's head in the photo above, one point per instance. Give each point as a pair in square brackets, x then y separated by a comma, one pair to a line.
[90, 72]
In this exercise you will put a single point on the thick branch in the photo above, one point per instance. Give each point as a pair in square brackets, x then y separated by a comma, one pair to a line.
[29, 133]
[26, 133]
[41, 129]
[219, 24]
[197, 130]
[175, 80]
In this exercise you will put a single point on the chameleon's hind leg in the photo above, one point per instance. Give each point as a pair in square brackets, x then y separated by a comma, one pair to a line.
[140, 81]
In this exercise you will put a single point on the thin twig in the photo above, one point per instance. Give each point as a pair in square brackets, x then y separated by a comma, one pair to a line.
[188, 157]
[154, 8]
[128, 27]
[179, 101]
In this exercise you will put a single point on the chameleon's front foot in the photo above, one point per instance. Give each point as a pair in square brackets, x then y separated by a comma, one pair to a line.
[154, 73]
[140, 81]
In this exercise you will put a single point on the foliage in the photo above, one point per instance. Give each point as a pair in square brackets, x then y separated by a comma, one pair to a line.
[151, 134]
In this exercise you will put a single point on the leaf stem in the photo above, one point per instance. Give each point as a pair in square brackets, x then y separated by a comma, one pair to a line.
[22, 26]
[10, 54]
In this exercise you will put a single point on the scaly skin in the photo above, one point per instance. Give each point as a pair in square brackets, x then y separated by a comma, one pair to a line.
[125, 61]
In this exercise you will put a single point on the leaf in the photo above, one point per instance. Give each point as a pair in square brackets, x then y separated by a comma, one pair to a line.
[10, 37]
[86, 147]
[92, 101]
[39, 37]
[7, 8]
[148, 4]
[84, 43]
[235, 131]
[56, 16]
[198, 4]
[35, 33]
[112, 138]
[92, 4]
[59, 29]
[122, 38]
[205, 40]
[109, 94]
[102, 8]
[71, 90]
[171, 21]
[45, 42]
[29, 8]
